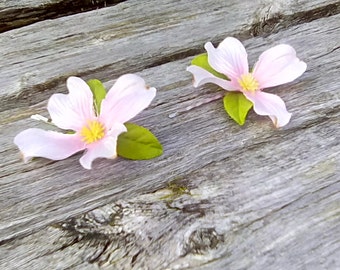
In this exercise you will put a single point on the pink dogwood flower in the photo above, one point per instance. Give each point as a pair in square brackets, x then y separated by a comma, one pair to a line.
[275, 66]
[96, 134]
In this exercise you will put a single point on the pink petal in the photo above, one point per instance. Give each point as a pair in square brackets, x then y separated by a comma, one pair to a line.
[202, 76]
[229, 58]
[277, 66]
[271, 105]
[105, 148]
[73, 110]
[128, 97]
[36, 142]
[124, 86]
[116, 129]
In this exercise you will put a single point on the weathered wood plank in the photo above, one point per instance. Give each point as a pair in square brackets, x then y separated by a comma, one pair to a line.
[217, 223]
[260, 198]
[270, 196]
[97, 49]
[14, 14]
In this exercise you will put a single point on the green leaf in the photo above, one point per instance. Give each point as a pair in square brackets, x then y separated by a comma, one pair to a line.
[237, 106]
[138, 143]
[99, 93]
[202, 61]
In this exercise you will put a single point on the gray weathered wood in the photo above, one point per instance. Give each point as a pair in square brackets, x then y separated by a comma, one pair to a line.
[91, 49]
[255, 197]
[18, 13]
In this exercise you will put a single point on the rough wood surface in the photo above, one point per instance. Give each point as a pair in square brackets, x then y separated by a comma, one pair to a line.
[18, 13]
[154, 37]
[221, 196]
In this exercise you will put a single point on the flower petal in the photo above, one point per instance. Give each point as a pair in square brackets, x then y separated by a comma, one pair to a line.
[201, 76]
[105, 148]
[277, 66]
[124, 86]
[271, 105]
[36, 142]
[73, 110]
[117, 129]
[128, 96]
[229, 58]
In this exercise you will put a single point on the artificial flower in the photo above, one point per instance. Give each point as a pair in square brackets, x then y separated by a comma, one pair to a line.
[275, 66]
[96, 133]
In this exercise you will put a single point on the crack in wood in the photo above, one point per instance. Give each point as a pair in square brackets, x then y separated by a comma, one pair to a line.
[17, 17]
[232, 208]
[98, 235]
[262, 28]
[266, 26]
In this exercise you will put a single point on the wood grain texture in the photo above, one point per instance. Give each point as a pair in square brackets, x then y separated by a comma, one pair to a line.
[97, 49]
[221, 196]
[19, 13]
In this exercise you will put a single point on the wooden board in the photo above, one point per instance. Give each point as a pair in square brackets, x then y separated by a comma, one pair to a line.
[221, 196]
[19, 13]
[97, 49]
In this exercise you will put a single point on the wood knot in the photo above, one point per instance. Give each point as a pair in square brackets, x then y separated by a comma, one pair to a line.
[202, 240]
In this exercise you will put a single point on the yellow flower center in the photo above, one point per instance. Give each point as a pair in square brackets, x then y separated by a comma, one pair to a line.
[92, 132]
[248, 82]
